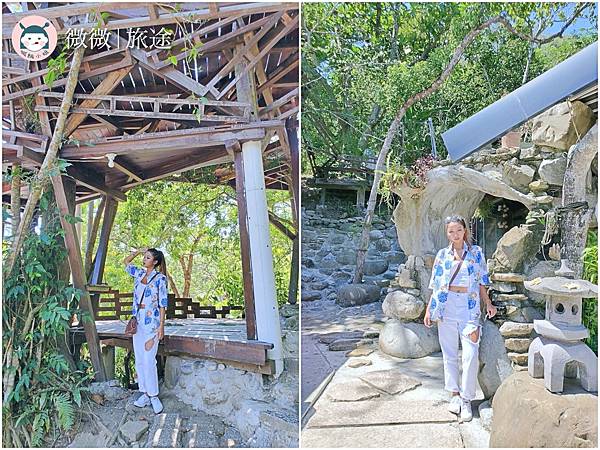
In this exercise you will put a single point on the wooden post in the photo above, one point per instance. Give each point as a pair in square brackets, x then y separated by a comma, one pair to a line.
[360, 199]
[92, 232]
[110, 211]
[108, 357]
[291, 130]
[244, 238]
[76, 263]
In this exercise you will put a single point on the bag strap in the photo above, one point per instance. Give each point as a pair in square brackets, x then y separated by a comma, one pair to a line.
[148, 283]
[457, 269]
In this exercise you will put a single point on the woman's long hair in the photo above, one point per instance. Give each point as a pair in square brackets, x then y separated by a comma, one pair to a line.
[159, 257]
[455, 218]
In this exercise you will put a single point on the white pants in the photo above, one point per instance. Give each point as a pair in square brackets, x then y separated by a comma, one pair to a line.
[456, 324]
[145, 361]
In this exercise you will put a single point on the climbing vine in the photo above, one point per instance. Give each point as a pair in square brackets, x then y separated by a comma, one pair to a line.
[590, 305]
[41, 382]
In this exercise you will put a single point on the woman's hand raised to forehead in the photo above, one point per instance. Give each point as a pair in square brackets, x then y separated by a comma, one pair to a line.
[143, 250]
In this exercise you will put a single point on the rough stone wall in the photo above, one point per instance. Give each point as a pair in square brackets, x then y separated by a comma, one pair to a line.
[262, 408]
[329, 242]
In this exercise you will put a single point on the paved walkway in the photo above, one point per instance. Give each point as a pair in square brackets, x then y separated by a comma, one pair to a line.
[375, 400]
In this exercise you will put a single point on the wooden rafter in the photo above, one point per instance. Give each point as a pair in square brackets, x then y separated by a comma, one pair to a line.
[224, 10]
[105, 87]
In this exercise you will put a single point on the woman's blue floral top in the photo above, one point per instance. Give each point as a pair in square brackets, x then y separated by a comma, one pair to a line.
[442, 272]
[154, 297]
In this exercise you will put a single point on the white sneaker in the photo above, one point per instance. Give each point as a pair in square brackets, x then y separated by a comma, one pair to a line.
[142, 401]
[157, 406]
[466, 414]
[454, 405]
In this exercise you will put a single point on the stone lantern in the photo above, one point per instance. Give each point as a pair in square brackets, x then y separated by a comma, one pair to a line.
[561, 332]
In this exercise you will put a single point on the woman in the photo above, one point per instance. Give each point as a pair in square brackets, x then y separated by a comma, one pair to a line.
[149, 306]
[459, 281]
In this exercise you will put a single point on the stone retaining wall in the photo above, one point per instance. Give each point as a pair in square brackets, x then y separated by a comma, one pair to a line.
[329, 242]
[264, 409]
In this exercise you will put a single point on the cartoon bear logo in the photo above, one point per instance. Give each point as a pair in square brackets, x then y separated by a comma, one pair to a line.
[34, 38]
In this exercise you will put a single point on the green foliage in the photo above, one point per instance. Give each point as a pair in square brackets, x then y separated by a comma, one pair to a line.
[56, 67]
[182, 218]
[485, 209]
[41, 388]
[356, 55]
[590, 305]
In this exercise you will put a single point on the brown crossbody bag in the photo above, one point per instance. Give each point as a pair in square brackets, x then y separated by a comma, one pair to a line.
[131, 327]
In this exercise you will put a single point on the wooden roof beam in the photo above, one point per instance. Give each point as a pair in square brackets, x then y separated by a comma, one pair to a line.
[289, 27]
[91, 181]
[128, 168]
[239, 55]
[283, 69]
[125, 62]
[170, 141]
[217, 44]
[106, 86]
[280, 101]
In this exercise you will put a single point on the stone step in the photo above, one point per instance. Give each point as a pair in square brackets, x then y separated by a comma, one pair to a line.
[511, 297]
[166, 431]
[516, 329]
[348, 344]
[518, 345]
[518, 358]
[509, 277]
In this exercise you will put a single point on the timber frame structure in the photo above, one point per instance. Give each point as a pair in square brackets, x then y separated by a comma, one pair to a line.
[141, 115]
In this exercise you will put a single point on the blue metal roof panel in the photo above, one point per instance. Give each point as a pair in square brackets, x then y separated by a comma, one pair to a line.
[553, 86]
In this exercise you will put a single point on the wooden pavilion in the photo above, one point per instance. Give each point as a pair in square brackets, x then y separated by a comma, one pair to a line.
[225, 93]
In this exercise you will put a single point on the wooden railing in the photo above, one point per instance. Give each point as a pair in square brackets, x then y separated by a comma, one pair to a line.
[112, 304]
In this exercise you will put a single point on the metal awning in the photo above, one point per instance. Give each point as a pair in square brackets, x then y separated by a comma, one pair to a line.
[575, 75]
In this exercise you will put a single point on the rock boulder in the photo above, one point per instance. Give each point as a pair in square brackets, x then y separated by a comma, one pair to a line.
[552, 171]
[408, 340]
[494, 365]
[527, 415]
[357, 294]
[516, 246]
[402, 306]
[561, 126]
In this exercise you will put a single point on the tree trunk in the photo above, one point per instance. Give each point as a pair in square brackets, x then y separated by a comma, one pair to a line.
[15, 197]
[391, 133]
[42, 177]
[575, 221]
[173, 285]
[394, 48]
[373, 119]
[187, 275]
